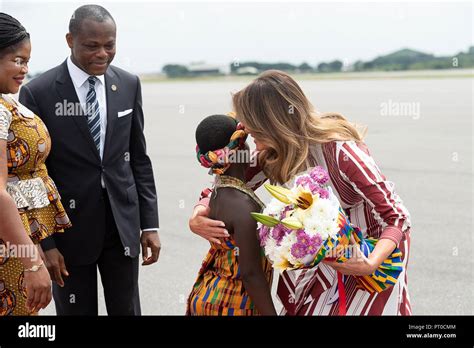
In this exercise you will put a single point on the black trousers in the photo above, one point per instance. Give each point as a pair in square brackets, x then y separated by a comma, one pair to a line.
[118, 272]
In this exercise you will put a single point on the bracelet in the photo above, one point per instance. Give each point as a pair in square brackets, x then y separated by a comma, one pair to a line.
[35, 268]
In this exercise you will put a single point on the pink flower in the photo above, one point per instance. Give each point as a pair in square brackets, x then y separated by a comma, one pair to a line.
[323, 193]
[278, 232]
[316, 241]
[319, 175]
[302, 237]
[304, 180]
[284, 211]
[305, 244]
[263, 234]
[299, 250]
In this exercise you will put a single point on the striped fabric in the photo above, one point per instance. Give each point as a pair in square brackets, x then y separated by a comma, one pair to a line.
[93, 118]
[219, 289]
[314, 292]
[371, 203]
[370, 197]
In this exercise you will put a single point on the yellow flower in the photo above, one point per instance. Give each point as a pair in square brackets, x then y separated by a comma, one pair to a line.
[280, 193]
[303, 199]
[292, 223]
[282, 264]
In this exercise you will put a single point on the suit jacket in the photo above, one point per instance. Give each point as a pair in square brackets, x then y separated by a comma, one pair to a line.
[75, 165]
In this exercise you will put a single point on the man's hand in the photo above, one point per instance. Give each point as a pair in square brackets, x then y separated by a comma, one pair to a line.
[207, 228]
[150, 239]
[54, 261]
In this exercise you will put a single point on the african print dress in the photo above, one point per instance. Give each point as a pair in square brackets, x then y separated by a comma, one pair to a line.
[219, 289]
[34, 192]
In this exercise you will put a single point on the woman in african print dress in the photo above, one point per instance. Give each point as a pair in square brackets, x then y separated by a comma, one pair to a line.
[235, 276]
[30, 206]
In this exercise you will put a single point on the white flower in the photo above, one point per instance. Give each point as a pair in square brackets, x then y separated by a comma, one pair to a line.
[274, 208]
[279, 258]
[303, 214]
[285, 247]
[312, 226]
[272, 250]
[295, 189]
[331, 228]
[333, 199]
[324, 209]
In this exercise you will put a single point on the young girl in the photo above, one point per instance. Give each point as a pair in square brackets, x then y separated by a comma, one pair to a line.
[235, 276]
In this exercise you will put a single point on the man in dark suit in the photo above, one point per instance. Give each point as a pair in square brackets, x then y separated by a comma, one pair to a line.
[99, 162]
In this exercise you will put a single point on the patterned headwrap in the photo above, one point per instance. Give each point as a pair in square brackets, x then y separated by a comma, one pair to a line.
[218, 160]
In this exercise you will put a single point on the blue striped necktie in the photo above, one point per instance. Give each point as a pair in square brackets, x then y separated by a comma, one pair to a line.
[93, 115]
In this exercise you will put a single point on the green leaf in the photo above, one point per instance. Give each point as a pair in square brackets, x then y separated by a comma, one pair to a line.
[265, 219]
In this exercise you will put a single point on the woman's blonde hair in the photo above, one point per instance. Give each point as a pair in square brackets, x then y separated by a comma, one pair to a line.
[276, 111]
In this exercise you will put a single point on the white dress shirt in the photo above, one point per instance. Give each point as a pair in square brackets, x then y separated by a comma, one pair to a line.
[79, 79]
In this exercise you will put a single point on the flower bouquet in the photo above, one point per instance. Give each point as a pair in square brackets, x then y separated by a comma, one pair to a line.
[303, 225]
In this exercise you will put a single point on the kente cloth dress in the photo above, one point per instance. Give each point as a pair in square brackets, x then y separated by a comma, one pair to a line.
[219, 289]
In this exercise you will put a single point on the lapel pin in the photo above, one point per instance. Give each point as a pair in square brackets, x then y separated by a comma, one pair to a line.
[113, 87]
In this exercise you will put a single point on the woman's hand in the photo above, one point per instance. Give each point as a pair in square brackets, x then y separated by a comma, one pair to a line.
[357, 264]
[360, 265]
[207, 228]
[38, 289]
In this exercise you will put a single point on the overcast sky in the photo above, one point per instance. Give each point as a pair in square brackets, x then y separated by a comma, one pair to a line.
[151, 34]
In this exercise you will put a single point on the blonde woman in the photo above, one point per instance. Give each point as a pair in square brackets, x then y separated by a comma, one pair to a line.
[292, 138]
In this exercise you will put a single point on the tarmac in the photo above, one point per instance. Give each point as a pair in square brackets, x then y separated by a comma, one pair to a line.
[419, 132]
